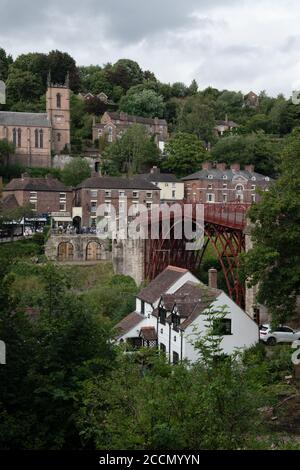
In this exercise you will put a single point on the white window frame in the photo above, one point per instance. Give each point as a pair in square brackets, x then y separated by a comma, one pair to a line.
[211, 196]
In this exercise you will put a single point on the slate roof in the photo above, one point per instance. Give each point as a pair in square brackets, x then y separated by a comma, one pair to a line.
[8, 118]
[227, 123]
[8, 203]
[129, 322]
[218, 175]
[148, 333]
[138, 119]
[191, 301]
[161, 284]
[36, 184]
[159, 177]
[114, 182]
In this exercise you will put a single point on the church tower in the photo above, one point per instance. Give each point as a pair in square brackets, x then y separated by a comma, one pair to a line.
[58, 111]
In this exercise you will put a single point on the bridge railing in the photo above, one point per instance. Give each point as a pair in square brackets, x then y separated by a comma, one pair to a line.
[230, 215]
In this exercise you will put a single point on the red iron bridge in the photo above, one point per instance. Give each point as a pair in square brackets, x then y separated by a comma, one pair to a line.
[224, 229]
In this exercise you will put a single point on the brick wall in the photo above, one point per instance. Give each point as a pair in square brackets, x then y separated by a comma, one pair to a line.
[91, 198]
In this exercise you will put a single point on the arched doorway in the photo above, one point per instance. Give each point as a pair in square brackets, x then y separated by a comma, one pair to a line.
[77, 224]
[65, 251]
[93, 251]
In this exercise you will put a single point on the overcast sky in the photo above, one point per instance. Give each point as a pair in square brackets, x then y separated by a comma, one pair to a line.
[240, 45]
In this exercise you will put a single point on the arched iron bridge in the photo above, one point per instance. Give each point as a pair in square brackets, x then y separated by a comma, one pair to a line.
[224, 227]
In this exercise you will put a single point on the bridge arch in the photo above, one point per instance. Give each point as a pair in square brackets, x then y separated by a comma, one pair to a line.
[223, 229]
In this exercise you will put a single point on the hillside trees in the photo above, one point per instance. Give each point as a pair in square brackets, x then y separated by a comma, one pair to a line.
[184, 154]
[274, 261]
[133, 153]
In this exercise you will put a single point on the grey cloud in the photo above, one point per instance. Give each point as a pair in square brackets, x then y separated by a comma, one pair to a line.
[121, 20]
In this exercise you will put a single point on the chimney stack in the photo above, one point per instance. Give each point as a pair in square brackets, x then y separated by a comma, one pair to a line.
[235, 167]
[206, 166]
[155, 170]
[221, 166]
[213, 278]
[249, 168]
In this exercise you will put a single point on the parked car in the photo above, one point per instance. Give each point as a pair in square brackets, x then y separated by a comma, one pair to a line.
[282, 334]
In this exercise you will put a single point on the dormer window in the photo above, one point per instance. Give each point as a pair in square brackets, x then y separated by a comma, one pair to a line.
[267, 178]
[162, 314]
[210, 177]
[253, 178]
[224, 177]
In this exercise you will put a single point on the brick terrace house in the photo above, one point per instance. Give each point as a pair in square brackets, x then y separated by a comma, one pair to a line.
[171, 313]
[114, 125]
[36, 135]
[112, 191]
[171, 189]
[45, 195]
[221, 185]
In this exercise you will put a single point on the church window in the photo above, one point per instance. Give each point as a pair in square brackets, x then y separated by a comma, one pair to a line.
[19, 138]
[36, 139]
[41, 139]
[58, 137]
[15, 137]
[58, 100]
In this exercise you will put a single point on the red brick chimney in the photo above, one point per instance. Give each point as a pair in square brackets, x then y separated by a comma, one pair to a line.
[213, 278]
[221, 166]
[206, 166]
[249, 168]
[235, 167]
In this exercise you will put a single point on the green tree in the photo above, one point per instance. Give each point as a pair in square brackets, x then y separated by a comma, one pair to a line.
[258, 149]
[145, 103]
[6, 149]
[134, 152]
[125, 73]
[23, 86]
[274, 261]
[230, 103]
[5, 62]
[76, 171]
[193, 88]
[179, 90]
[36, 63]
[62, 64]
[198, 118]
[184, 154]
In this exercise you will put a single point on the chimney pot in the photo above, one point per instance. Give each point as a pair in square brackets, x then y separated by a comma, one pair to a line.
[213, 278]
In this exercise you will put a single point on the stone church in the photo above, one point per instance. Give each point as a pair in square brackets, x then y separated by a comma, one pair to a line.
[38, 135]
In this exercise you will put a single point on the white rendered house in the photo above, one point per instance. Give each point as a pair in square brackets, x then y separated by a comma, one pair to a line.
[171, 313]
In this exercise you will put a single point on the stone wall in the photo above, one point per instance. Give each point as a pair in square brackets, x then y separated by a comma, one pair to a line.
[128, 258]
[251, 292]
[60, 161]
[80, 244]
